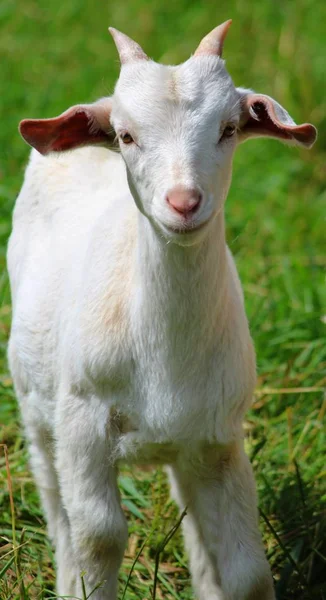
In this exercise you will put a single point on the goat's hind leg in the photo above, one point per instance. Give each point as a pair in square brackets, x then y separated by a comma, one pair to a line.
[42, 458]
[36, 414]
[42, 465]
[90, 494]
[221, 530]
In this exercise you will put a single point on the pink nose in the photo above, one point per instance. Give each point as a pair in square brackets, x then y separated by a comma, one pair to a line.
[184, 200]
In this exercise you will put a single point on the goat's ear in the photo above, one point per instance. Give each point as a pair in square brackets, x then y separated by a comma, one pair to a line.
[81, 125]
[263, 116]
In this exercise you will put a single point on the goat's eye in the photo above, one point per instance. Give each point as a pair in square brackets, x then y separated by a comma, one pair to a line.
[126, 138]
[228, 131]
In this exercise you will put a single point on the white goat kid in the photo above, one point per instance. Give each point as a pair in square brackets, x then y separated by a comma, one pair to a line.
[129, 339]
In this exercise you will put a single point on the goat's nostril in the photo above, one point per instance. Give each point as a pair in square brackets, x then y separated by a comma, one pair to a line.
[184, 200]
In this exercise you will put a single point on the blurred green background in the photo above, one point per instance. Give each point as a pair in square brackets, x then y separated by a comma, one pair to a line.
[55, 54]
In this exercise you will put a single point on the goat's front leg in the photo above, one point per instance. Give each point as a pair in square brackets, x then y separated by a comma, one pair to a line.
[97, 526]
[227, 558]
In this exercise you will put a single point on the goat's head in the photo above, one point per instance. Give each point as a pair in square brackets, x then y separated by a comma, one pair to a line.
[177, 128]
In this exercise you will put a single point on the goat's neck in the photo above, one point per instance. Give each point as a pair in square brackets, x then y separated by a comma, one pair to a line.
[182, 286]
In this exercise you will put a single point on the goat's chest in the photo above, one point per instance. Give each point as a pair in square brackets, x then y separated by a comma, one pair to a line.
[174, 388]
[190, 391]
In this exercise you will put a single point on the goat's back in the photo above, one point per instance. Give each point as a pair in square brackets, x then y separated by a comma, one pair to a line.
[68, 203]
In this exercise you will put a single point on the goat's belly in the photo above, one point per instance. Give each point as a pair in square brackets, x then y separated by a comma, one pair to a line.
[148, 454]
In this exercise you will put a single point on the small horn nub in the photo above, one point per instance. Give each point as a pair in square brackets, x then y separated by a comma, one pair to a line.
[212, 44]
[129, 51]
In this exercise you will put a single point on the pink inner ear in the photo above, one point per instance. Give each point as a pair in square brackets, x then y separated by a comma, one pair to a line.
[267, 123]
[264, 123]
[70, 130]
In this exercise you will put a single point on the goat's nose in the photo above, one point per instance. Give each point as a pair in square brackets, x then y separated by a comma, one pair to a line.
[184, 200]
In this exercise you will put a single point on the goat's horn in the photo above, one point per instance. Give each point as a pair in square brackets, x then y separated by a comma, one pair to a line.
[128, 50]
[213, 42]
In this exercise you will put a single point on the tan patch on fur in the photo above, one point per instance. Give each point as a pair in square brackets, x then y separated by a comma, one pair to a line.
[176, 172]
[173, 87]
[114, 315]
[106, 316]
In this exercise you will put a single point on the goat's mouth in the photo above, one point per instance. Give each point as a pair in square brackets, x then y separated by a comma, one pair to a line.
[186, 228]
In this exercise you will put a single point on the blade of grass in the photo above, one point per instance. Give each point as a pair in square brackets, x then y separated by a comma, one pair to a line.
[161, 547]
[134, 563]
[284, 548]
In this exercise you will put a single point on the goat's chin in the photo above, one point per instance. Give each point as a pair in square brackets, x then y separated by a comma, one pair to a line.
[184, 236]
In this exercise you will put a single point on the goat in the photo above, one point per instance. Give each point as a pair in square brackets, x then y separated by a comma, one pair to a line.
[129, 338]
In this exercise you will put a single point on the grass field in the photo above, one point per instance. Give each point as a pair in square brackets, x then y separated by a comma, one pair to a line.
[55, 54]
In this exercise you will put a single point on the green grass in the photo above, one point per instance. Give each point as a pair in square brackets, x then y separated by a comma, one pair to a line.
[55, 54]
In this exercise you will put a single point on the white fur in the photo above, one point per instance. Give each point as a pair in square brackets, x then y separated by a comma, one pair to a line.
[129, 340]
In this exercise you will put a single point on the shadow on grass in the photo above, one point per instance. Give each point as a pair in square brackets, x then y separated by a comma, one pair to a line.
[295, 525]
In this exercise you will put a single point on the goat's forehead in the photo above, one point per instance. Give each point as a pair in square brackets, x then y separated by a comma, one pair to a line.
[201, 83]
